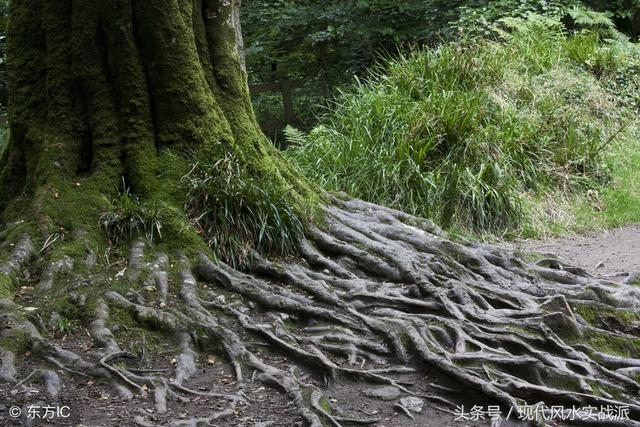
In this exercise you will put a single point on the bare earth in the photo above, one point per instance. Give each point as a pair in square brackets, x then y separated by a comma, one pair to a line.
[610, 252]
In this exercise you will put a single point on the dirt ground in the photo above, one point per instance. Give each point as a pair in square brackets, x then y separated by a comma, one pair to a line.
[610, 252]
[87, 403]
[91, 404]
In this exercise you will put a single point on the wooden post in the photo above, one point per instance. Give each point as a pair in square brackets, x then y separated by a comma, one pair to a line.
[285, 87]
[287, 100]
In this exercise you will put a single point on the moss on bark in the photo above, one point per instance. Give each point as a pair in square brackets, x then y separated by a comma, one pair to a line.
[103, 91]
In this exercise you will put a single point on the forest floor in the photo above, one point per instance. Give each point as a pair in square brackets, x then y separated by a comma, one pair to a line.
[90, 403]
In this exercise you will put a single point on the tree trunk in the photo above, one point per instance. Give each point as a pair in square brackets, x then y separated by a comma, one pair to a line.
[103, 91]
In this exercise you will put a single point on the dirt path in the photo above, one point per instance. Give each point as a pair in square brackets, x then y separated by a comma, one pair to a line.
[606, 253]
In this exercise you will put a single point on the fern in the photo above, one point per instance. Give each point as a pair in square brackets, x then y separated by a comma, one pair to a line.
[295, 137]
[590, 18]
[597, 21]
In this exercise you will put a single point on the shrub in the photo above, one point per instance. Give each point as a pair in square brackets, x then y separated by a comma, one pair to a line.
[465, 133]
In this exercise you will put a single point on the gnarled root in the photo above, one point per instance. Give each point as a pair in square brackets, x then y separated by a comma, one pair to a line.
[376, 294]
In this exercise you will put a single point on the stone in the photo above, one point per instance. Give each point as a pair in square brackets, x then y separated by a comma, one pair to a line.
[413, 404]
[383, 393]
[52, 382]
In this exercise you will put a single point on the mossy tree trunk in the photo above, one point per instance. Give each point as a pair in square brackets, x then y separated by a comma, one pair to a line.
[106, 90]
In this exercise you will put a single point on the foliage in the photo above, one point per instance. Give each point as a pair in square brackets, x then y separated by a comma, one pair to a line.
[64, 326]
[237, 214]
[481, 18]
[463, 133]
[321, 35]
[616, 204]
[128, 217]
[323, 43]
[326, 43]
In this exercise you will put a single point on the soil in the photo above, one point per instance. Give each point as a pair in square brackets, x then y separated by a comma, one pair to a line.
[91, 404]
[613, 252]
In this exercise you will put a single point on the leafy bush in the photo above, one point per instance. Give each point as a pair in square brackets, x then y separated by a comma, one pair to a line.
[128, 218]
[463, 134]
[480, 19]
[237, 214]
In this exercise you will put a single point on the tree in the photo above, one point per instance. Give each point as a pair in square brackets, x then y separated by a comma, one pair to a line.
[152, 93]
[98, 94]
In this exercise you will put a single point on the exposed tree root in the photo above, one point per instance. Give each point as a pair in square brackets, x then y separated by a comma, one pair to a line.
[375, 293]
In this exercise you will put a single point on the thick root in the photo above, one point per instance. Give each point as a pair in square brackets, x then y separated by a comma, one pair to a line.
[376, 294]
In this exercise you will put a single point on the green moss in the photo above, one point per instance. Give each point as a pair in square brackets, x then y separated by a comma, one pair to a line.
[587, 312]
[406, 341]
[562, 382]
[598, 390]
[324, 404]
[6, 286]
[66, 308]
[596, 314]
[15, 340]
[613, 344]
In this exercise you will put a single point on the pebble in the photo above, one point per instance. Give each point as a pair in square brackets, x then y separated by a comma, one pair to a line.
[413, 404]
[383, 393]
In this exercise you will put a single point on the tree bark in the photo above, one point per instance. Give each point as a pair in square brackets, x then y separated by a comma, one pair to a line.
[103, 91]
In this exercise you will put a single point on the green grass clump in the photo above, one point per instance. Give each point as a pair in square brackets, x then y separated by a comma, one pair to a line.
[128, 217]
[237, 215]
[475, 136]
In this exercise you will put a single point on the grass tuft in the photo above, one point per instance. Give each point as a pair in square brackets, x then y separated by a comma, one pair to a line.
[128, 217]
[237, 214]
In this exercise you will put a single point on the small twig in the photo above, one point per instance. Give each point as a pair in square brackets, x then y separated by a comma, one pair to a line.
[143, 346]
[25, 379]
[62, 366]
[232, 397]
[142, 371]
[443, 388]
[49, 241]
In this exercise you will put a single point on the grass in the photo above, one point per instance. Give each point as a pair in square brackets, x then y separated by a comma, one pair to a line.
[619, 203]
[128, 218]
[524, 136]
[237, 214]
[612, 205]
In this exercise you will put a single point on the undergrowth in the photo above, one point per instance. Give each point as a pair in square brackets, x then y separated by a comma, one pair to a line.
[482, 136]
[128, 218]
[237, 214]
